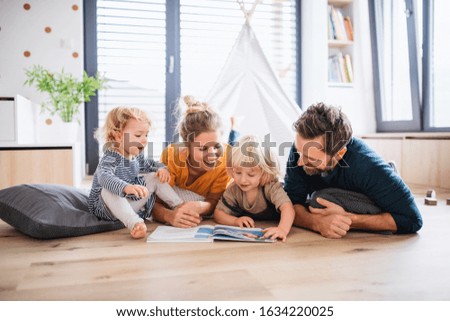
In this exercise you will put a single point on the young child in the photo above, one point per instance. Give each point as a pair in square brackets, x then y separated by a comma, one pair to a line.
[256, 193]
[125, 183]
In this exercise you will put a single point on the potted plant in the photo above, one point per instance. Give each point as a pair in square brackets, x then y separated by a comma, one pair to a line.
[66, 93]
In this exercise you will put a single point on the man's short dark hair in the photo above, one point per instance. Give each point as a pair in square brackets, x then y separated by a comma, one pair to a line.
[320, 119]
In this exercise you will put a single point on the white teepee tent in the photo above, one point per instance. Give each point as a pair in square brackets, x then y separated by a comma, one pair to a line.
[249, 89]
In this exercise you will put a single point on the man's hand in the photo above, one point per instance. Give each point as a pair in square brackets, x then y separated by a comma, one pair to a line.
[329, 208]
[332, 221]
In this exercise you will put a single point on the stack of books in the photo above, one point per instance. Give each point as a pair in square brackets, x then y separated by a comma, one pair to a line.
[340, 68]
[339, 27]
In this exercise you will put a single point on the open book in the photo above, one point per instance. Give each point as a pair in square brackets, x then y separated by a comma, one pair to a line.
[207, 233]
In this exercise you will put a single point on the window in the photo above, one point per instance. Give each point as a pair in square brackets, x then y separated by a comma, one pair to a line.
[400, 29]
[436, 65]
[155, 50]
[395, 65]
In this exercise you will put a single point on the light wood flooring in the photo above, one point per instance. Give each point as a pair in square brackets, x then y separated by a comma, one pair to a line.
[112, 266]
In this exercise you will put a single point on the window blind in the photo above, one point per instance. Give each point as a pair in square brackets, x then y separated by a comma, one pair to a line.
[131, 53]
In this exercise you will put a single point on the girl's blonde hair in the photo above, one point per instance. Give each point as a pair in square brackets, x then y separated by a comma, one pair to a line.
[250, 152]
[198, 117]
[116, 120]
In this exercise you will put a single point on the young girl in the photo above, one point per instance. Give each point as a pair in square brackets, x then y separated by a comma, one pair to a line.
[256, 193]
[119, 191]
[197, 165]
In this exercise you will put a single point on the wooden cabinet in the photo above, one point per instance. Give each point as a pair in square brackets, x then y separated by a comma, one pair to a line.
[39, 165]
[426, 161]
[422, 158]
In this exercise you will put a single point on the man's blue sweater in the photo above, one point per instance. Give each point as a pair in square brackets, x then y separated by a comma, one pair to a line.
[360, 170]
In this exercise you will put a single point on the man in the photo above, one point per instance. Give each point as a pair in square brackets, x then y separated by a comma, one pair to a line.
[324, 156]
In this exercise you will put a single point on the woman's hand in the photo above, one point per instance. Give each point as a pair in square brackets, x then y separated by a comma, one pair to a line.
[184, 216]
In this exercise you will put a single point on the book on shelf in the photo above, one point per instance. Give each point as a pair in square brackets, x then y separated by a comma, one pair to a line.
[334, 74]
[348, 67]
[330, 70]
[336, 25]
[342, 67]
[206, 234]
[348, 28]
[331, 30]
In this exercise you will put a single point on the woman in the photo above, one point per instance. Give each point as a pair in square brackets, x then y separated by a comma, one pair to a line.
[197, 166]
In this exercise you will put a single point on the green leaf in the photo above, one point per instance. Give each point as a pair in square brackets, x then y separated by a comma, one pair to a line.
[65, 92]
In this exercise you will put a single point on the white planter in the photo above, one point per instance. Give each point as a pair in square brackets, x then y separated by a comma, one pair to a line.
[52, 130]
[70, 131]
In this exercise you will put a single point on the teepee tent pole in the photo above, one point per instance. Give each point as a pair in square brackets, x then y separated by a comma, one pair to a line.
[248, 13]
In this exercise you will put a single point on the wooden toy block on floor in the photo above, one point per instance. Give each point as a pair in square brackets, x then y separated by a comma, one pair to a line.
[430, 201]
[431, 193]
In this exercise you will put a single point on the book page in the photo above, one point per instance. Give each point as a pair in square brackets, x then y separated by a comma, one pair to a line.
[201, 233]
[232, 233]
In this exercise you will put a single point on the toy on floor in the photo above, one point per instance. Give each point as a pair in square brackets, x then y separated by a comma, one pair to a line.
[431, 193]
[430, 198]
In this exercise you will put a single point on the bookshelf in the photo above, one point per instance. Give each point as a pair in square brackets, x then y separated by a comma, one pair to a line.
[340, 43]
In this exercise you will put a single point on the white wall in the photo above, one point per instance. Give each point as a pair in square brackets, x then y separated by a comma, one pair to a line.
[24, 30]
[357, 101]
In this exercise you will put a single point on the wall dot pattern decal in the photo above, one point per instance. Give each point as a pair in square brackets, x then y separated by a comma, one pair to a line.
[74, 7]
[27, 53]
[75, 55]
[26, 6]
[48, 29]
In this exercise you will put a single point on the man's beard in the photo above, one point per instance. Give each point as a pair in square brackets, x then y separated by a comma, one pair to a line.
[314, 171]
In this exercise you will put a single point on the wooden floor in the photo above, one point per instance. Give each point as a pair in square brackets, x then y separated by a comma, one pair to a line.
[112, 266]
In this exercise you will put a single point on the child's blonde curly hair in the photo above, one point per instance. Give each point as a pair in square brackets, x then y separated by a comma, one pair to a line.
[116, 120]
[250, 152]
